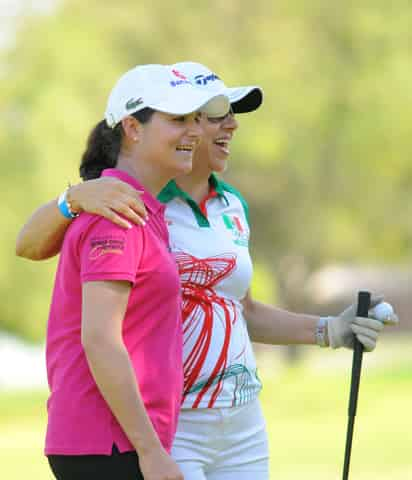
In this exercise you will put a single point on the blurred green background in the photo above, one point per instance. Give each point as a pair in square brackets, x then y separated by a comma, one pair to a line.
[325, 165]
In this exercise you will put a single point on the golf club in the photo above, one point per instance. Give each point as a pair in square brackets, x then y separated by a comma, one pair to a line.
[364, 300]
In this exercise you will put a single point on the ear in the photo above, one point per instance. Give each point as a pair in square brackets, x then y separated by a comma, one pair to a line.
[132, 129]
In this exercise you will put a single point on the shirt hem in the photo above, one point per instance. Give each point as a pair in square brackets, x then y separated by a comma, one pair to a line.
[103, 450]
[108, 276]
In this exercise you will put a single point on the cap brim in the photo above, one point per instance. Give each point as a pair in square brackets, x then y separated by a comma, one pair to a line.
[189, 99]
[245, 99]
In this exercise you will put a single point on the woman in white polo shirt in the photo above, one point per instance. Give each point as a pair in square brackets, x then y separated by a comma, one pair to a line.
[221, 433]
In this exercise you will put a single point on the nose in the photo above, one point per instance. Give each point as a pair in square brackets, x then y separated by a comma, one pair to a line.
[194, 130]
[230, 122]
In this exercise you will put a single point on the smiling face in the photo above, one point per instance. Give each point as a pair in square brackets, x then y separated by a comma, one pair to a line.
[167, 142]
[214, 148]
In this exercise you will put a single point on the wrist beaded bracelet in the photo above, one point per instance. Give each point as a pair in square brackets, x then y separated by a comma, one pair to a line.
[321, 332]
[64, 205]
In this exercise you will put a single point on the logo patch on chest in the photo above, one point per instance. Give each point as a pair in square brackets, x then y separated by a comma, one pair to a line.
[240, 234]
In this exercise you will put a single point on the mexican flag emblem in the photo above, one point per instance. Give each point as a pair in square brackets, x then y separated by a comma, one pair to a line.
[239, 232]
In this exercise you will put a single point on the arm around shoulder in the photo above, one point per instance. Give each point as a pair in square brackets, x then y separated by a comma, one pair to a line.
[42, 235]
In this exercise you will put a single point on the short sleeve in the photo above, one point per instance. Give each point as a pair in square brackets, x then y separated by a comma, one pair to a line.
[108, 252]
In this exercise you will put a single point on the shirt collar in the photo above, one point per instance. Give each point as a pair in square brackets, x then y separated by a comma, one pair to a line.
[151, 203]
[217, 185]
[172, 190]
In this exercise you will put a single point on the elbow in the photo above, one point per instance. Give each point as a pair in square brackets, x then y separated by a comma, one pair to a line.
[251, 320]
[30, 252]
[247, 305]
[90, 341]
[92, 348]
[20, 251]
[98, 348]
[23, 251]
[24, 248]
[94, 343]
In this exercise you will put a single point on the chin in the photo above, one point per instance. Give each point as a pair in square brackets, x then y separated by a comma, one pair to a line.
[184, 169]
[219, 167]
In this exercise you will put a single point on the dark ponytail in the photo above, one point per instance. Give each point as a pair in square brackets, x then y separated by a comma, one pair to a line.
[102, 150]
[103, 146]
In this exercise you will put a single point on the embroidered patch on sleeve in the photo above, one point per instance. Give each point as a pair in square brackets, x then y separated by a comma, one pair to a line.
[100, 246]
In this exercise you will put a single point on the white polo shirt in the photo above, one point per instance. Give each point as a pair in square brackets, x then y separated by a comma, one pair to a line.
[210, 245]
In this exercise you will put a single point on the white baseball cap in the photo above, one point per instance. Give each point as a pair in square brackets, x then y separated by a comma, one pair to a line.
[163, 88]
[242, 99]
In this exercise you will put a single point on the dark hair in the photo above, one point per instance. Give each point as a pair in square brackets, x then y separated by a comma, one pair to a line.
[103, 146]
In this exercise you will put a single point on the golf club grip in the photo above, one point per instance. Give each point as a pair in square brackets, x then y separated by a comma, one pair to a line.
[364, 301]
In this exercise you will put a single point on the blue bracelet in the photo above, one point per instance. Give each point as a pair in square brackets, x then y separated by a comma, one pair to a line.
[64, 206]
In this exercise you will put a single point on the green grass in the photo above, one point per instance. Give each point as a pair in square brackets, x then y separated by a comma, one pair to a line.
[22, 421]
[306, 413]
[307, 418]
[306, 409]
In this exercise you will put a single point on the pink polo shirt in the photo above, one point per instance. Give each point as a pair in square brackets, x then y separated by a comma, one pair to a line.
[79, 420]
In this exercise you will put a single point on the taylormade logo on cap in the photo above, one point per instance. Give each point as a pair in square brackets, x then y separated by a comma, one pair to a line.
[154, 86]
[203, 79]
[201, 76]
[242, 99]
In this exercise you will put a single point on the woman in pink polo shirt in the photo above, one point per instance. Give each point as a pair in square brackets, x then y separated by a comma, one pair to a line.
[114, 340]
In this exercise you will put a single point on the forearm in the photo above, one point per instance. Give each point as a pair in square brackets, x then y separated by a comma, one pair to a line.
[271, 325]
[114, 375]
[43, 234]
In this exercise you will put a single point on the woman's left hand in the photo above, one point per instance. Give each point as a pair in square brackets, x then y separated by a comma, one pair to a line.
[110, 198]
[343, 328]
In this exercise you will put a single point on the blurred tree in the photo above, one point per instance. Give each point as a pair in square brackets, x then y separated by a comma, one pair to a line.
[324, 164]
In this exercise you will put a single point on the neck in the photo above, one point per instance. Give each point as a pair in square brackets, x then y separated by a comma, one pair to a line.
[146, 174]
[195, 183]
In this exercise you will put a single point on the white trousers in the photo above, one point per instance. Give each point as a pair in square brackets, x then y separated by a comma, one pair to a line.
[222, 443]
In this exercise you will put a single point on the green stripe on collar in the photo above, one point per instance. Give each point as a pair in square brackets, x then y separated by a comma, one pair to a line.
[228, 188]
[172, 190]
[217, 185]
[169, 192]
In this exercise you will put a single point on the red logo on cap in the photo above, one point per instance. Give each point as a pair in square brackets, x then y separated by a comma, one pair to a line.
[178, 74]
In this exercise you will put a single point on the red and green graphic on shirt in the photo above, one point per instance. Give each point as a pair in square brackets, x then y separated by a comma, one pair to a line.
[240, 234]
[199, 278]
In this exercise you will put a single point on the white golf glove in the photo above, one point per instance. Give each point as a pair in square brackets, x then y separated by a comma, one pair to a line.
[343, 328]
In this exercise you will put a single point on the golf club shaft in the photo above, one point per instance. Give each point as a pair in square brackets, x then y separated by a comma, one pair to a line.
[364, 299]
